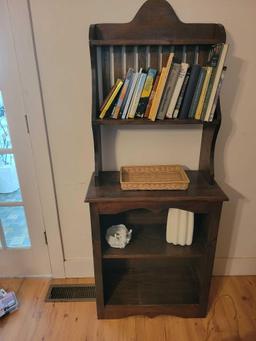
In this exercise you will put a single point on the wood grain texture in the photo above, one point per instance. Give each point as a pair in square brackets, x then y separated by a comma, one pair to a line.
[123, 287]
[166, 29]
[232, 316]
[109, 190]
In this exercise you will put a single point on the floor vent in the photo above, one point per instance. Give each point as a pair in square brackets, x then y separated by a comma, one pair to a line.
[74, 292]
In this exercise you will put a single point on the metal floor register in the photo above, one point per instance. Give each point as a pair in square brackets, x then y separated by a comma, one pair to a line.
[71, 292]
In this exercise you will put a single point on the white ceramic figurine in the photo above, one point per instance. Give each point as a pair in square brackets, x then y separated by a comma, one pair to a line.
[118, 236]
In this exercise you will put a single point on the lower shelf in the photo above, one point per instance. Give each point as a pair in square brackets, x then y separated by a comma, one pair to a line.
[181, 310]
[147, 282]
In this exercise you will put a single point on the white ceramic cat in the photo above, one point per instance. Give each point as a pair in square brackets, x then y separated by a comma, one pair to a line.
[118, 236]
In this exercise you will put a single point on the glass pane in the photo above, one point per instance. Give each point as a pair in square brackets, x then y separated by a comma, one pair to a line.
[14, 225]
[5, 140]
[9, 182]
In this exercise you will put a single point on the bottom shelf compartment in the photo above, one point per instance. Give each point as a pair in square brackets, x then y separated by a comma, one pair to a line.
[147, 282]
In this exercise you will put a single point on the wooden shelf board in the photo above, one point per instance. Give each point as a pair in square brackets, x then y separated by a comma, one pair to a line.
[135, 42]
[181, 310]
[108, 190]
[149, 242]
[151, 283]
[146, 122]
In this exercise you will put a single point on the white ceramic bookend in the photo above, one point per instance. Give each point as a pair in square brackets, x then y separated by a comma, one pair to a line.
[180, 227]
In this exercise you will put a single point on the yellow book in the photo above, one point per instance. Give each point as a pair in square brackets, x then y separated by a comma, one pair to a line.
[115, 91]
[200, 105]
[160, 88]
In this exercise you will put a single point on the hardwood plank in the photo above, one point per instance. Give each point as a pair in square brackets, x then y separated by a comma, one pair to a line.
[231, 317]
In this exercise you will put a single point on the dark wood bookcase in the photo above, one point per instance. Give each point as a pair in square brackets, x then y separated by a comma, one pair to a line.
[150, 276]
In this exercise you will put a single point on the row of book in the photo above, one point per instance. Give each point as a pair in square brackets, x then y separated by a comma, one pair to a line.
[178, 91]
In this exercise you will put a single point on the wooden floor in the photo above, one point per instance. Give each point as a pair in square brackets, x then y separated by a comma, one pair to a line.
[232, 316]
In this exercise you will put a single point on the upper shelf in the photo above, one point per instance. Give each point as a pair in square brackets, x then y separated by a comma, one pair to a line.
[156, 23]
[145, 122]
[152, 42]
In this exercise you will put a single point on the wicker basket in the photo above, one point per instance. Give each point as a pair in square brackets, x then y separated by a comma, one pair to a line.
[163, 177]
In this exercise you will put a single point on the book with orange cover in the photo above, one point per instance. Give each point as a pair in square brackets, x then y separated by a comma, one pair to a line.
[160, 88]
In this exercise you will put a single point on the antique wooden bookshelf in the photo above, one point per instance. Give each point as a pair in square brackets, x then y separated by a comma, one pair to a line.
[150, 276]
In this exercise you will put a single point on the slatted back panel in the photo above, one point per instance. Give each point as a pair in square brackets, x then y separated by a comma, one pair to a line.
[113, 62]
[147, 41]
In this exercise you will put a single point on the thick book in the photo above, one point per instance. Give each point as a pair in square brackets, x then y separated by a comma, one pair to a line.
[168, 91]
[199, 108]
[153, 92]
[137, 94]
[144, 98]
[217, 94]
[191, 87]
[177, 89]
[160, 88]
[123, 92]
[181, 95]
[130, 94]
[197, 93]
[110, 98]
[214, 85]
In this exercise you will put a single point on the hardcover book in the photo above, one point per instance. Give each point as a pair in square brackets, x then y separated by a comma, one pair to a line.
[148, 86]
[130, 94]
[197, 93]
[217, 93]
[181, 95]
[137, 94]
[110, 98]
[153, 92]
[215, 81]
[184, 110]
[160, 89]
[123, 92]
[199, 108]
[168, 91]
[181, 77]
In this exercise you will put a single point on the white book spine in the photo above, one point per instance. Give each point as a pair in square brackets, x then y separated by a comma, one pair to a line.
[217, 96]
[134, 81]
[216, 81]
[134, 93]
[136, 97]
[175, 95]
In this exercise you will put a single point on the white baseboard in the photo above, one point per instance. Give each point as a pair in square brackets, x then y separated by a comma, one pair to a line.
[234, 266]
[79, 267]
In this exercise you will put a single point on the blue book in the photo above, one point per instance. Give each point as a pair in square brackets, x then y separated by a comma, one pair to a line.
[137, 94]
[197, 93]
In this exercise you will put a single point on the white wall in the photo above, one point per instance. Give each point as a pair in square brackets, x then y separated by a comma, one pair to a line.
[61, 34]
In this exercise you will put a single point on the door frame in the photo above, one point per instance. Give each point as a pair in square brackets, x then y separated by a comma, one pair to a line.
[23, 37]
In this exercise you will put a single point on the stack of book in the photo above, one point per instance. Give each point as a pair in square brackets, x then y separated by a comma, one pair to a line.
[179, 90]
